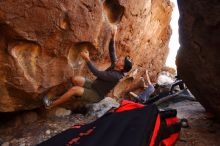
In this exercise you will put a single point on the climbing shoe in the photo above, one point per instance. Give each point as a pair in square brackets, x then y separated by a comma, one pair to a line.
[47, 102]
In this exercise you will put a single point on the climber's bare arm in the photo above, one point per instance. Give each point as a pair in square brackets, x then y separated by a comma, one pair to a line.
[133, 94]
[148, 78]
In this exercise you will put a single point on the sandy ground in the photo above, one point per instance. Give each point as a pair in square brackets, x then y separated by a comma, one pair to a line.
[203, 130]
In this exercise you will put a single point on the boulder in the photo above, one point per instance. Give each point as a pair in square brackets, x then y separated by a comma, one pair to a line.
[39, 42]
[198, 63]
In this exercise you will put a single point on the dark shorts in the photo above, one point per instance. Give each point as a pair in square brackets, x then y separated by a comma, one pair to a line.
[89, 94]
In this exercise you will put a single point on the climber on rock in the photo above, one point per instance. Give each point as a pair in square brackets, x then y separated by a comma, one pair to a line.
[94, 91]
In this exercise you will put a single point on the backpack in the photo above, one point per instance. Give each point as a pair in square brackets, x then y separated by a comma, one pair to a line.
[132, 124]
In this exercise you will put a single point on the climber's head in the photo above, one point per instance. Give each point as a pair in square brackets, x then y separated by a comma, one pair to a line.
[124, 64]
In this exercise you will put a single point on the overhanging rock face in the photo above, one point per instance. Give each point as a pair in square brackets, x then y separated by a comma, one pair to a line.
[38, 42]
[198, 60]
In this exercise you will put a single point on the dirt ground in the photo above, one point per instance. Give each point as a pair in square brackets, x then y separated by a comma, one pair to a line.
[203, 130]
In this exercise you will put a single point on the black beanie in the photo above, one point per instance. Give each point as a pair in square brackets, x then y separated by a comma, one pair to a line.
[127, 64]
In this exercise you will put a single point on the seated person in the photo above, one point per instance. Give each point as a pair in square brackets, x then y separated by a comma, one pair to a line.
[156, 91]
[94, 91]
[149, 90]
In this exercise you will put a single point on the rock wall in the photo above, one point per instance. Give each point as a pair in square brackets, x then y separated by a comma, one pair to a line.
[198, 62]
[39, 42]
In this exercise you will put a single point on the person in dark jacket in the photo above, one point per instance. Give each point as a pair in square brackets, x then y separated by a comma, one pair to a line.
[94, 91]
